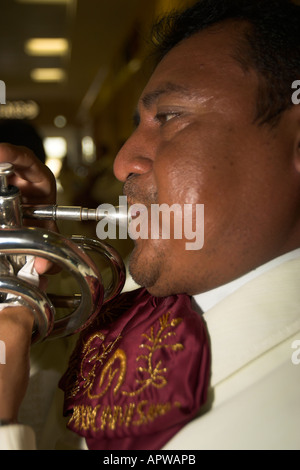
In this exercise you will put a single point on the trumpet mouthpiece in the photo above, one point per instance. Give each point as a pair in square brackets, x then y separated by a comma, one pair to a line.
[75, 213]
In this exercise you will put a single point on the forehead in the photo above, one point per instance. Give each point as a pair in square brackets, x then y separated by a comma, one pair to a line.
[204, 64]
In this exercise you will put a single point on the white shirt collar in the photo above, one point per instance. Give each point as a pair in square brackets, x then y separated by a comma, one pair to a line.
[209, 299]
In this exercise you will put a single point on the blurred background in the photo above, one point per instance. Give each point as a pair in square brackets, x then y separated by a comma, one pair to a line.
[74, 69]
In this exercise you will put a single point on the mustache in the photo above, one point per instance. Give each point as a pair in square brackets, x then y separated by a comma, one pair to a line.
[137, 192]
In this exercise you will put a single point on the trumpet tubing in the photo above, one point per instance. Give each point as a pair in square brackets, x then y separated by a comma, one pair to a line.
[69, 253]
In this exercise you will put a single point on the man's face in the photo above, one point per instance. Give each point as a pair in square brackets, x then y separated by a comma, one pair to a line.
[197, 143]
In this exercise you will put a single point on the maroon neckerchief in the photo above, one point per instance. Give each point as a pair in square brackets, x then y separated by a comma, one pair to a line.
[134, 381]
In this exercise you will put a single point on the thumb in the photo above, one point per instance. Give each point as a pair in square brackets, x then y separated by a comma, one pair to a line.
[43, 266]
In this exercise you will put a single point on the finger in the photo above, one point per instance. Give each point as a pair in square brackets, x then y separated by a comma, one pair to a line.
[15, 320]
[32, 177]
[44, 266]
[16, 331]
[26, 164]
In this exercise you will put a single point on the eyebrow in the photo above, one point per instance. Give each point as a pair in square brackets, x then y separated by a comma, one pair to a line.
[149, 98]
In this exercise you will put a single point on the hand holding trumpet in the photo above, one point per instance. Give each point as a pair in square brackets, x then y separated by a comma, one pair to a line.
[26, 186]
[36, 183]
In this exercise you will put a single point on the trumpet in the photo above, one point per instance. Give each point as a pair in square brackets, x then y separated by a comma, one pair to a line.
[69, 253]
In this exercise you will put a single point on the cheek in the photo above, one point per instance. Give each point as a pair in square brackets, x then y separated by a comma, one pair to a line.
[178, 177]
[188, 180]
[201, 166]
[197, 164]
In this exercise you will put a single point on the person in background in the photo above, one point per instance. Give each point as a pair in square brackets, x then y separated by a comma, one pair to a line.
[22, 132]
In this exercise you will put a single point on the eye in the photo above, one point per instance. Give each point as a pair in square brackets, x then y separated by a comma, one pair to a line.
[163, 118]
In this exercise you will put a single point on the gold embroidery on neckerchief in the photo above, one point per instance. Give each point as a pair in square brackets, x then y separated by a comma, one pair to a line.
[93, 356]
[110, 373]
[154, 374]
[84, 416]
[115, 367]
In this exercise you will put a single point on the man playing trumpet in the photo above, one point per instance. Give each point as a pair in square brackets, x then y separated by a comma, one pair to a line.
[215, 125]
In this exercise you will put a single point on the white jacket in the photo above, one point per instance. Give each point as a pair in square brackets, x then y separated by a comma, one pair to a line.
[255, 343]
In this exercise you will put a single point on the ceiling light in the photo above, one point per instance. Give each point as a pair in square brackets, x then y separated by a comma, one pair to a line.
[46, 46]
[60, 121]
[55, 147]
[48, 75]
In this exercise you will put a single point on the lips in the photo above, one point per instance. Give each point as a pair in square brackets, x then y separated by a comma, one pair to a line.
[138, 192]
[138, 221]
[139, 200]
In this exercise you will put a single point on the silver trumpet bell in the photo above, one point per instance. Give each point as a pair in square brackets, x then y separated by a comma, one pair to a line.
[68, 253]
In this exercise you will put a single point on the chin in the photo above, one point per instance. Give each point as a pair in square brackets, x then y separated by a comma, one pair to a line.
[150, 281]
[149, 268]
[158, 291]
[144, 266]
[156, 286]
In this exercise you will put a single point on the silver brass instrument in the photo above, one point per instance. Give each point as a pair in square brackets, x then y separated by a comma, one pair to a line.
[69, 253]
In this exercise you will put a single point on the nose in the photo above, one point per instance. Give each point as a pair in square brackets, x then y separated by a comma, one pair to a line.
[135, 157]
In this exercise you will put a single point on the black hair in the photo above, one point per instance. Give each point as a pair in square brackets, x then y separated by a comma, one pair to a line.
[21, 132]
[270, 45]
